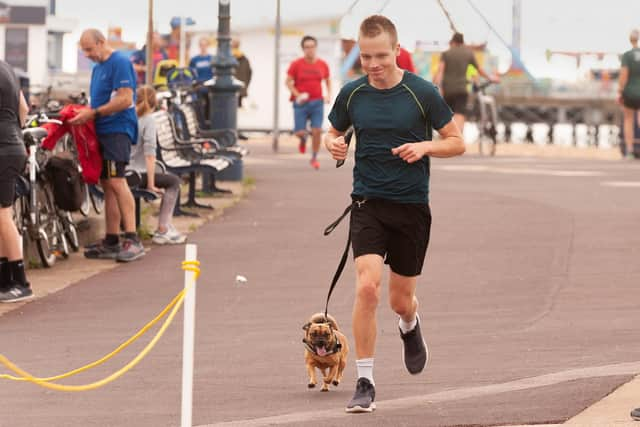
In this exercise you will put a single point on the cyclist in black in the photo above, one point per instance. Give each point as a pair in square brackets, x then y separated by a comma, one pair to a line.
[629, 89]
[13, 157]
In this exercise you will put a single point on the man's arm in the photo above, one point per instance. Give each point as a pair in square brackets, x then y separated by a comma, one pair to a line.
[23, 109]
[327, 96]
[622, 81]
[450, 145]
[291, 86]
[335, 144]
[437, 80]
[121, 101]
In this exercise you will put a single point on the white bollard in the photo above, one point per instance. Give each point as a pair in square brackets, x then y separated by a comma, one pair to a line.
[188, 336]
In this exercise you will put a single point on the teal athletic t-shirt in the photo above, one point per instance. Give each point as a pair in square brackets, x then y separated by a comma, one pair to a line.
[384, 119]
[631, 60]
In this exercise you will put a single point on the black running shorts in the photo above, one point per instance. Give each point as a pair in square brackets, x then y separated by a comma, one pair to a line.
[457, 102]
[398, 232]
[11, 167]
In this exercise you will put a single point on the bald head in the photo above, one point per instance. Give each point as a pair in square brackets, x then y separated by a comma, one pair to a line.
[94, 45]
[94, 35]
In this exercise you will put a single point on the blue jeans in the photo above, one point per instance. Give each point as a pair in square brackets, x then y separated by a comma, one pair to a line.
[309, 111]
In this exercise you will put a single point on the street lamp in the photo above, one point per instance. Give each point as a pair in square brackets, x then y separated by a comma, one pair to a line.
[223, 88]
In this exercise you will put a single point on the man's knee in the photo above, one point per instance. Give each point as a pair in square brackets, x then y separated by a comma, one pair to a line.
[401, 304]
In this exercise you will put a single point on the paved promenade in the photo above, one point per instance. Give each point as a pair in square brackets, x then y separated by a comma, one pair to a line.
[529, 300]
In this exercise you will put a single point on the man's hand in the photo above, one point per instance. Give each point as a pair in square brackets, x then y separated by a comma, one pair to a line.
[411, 152]
[337, 147]
[327, 99]
[82, 117]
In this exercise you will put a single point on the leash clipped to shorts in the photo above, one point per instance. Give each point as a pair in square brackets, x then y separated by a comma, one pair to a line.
[345, 254]
[347, 140]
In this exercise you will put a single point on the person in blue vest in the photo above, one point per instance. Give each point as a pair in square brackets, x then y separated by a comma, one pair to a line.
[202, 62]
[202, 65]
[112, 89]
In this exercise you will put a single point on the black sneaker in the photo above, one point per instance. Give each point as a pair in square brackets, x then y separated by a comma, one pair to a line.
[635, 414]
[101, 250]
[415, 353]
[363, 399]
[16, 293]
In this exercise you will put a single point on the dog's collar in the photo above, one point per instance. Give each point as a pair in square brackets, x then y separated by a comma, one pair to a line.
[336, 348]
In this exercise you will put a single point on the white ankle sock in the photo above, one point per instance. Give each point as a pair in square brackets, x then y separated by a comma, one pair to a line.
[365, 369]
[408, 326]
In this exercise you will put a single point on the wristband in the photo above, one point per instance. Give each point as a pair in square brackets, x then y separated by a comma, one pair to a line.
[96, 114]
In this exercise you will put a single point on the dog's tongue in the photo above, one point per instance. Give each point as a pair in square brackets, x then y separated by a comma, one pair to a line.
[321, 351]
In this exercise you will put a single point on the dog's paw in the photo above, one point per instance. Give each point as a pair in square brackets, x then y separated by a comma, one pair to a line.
[324, 388]
[311, 385]
[335, 382]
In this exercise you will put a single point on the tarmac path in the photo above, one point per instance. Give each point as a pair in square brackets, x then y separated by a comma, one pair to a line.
[529, 304]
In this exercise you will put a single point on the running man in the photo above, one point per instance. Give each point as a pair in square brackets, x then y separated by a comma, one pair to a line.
[304, 80]
[393, 113]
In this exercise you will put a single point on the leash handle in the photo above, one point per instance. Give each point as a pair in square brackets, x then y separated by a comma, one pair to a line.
[347, 140]
[343, 260]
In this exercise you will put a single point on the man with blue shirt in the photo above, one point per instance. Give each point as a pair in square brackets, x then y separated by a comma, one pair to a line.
[393, 113]
[202, 62]
[113, 88]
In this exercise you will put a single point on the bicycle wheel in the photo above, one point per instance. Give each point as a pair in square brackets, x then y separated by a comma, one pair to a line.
[50, 240]
[97, 201]
[70, 230]
[86, 203]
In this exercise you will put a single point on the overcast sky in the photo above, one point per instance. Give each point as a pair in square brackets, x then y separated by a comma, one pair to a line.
[568, 25]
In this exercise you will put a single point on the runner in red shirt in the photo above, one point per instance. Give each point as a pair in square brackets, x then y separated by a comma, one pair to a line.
[405, 61]
[304, 80]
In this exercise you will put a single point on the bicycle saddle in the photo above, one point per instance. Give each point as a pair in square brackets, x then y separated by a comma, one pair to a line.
[36, 133]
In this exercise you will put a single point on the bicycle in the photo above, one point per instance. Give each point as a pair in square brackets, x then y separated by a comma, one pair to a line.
[35, 212]
[487, 117]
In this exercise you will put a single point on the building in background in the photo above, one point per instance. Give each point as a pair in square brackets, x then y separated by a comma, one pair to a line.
[31, 37]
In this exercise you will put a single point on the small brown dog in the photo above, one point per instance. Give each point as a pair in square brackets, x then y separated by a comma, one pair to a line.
[326, 348]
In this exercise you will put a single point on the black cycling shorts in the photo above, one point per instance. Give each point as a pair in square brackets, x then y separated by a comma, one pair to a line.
[398, 232]
[11, 167]
[457, 102]
[632, 102]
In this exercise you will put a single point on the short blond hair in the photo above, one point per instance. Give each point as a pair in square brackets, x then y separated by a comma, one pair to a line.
[375, 25]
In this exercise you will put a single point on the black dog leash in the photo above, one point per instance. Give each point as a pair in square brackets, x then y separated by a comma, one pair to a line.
[345, 254]
[347, 140]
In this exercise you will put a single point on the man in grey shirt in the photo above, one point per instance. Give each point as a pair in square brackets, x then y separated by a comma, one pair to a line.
[452, 77]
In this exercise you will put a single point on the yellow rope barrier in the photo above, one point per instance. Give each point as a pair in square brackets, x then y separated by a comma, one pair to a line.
[174, 305]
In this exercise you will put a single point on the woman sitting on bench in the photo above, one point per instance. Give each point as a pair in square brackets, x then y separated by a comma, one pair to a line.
[143, 161]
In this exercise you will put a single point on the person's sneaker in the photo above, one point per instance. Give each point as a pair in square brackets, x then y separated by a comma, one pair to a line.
[169, 237]
[302, 146]
[131, 251]
[363, 399]
[315, 164]
[16, 293]
[635, 414]
[101, 250]
[415, 353]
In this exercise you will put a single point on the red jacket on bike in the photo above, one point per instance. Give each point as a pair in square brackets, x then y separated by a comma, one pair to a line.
[85, 138]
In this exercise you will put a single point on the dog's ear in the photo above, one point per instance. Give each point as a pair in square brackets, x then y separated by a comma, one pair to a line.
[305, 327]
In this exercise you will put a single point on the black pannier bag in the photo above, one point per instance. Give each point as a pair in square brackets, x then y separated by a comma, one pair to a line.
[66, 180]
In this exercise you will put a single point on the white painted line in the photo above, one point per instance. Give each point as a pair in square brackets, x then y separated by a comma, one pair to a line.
[520, 171]
[300, 418]
[623, 184]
